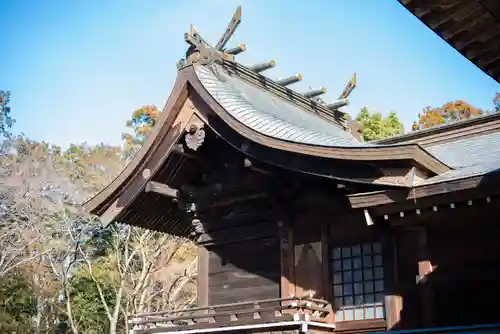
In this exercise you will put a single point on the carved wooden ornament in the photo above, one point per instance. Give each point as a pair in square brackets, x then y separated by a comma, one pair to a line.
[194, 139]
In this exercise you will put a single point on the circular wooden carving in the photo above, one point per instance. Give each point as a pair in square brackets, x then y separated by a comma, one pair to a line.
[146, 173]
[195, 139]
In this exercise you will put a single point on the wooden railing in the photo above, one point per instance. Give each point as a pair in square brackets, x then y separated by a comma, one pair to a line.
[277, 311]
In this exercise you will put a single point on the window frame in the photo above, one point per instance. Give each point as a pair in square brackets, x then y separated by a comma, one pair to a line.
[352, 230]
[356, 287]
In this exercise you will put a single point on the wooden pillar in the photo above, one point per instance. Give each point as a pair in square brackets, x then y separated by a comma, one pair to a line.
[308, 259]
[408, 254]
[424, 267]
[326, 258]
[202, 277]
[394, 298]
[287, 285]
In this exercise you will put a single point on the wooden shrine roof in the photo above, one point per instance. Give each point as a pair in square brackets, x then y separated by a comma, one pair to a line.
[472, 27]
[212, 89]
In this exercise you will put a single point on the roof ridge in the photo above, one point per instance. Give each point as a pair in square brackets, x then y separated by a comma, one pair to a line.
[441, 129]
[200, 51]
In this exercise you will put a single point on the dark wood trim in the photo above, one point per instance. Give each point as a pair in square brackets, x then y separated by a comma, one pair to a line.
[351, 229]
[202, 277]
[426, 294]
[327, 272]
[393, 299]
[429, 215]
[286, 283]
[485, 183]
[292, 290]
[326, 259]
[360, 326]
[409, 152]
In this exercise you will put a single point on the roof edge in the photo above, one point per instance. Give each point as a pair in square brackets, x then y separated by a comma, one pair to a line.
[103, 200]
[368, 153]
[387, 197]
[452, 131]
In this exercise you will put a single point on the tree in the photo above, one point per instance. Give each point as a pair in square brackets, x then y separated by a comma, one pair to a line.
[23, 209]
[140, 269]
[6, 121]
[142, 123]
[18, 305]
[60, 269]
[496, 102]
[447, 113]
[375, 126]
[43, 223]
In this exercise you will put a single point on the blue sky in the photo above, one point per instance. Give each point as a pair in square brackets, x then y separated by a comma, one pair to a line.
[77, 69]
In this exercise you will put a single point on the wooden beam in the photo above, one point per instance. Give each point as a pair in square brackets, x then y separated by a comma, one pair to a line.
[393, 298]
[179, 149]
[234, 200]
[163, 189]
[426, 293]
[202, 278]
[285, 283]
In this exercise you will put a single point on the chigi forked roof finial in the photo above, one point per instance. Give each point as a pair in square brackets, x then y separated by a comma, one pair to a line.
[203, 53]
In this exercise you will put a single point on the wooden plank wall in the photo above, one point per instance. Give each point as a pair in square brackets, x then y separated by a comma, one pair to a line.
[308, 259]
[407, 259]
[255, 276]
[465, 247]
[243, 253]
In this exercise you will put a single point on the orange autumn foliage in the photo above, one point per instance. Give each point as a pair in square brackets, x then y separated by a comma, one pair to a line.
[449, 112]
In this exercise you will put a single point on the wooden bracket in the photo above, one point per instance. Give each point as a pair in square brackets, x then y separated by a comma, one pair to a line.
[424, 269]
[197, 226]
[163, 189]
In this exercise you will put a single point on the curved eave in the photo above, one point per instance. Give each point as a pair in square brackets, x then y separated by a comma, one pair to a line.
[479, 184]
[105, 202]
[472, 27]
[365, 153]
[121, 192]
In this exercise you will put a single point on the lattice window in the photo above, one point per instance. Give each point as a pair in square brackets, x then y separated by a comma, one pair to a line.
[358, 282]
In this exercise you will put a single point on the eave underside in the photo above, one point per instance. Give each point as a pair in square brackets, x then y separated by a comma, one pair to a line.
[472, 27]
[280, 124]
[458, 191]
[125, 199]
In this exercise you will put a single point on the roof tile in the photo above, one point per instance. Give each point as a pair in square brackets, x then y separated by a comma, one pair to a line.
[470, 151]
[270, 115]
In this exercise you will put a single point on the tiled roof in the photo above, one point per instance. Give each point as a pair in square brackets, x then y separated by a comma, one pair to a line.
[469, 151]
[278, 112]
[469, 157]
[273, 116]
[479, 169]
[268, 114]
